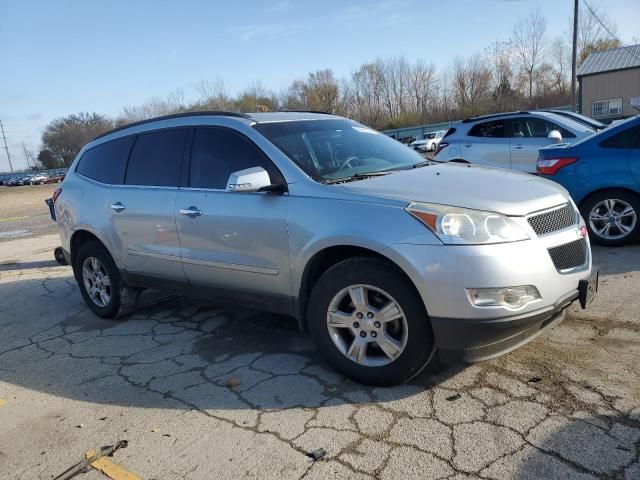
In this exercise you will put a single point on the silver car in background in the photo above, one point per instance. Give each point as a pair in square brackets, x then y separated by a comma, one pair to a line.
[382, 256]
[509, 140]
[428, 142]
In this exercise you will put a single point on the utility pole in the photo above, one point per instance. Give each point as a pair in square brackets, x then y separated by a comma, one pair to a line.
[26, 156]
[574, 54]
[5, 147]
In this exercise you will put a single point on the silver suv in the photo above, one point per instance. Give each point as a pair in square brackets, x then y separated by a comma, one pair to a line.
[508, 140]
[382, 256]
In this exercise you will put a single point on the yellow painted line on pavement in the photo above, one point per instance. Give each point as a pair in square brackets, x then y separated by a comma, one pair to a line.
[110, 469]
[13, 218]
[2, 401]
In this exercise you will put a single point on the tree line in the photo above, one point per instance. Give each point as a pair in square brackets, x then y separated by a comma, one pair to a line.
[530, 69]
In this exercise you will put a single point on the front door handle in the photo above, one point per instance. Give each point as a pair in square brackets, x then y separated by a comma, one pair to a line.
[518, 147]
[468, 145]
[118, 207]
[191, 212]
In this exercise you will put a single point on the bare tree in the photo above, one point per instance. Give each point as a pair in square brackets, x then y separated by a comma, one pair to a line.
[501, 56]
[471, 86]
[528, 39]
[213, 95]
[173, 102]
[560, 55]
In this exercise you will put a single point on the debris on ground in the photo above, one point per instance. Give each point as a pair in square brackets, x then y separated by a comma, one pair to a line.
[232, 382]
[453, 397]
[317, 454]
[83, 465]
[534, 380]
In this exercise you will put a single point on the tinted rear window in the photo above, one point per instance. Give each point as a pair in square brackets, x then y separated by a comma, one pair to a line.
[493, 129]
[106, 162]
[156, 157]
[629, 138]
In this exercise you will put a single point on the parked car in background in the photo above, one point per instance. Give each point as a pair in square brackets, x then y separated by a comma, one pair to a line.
[24, 180]
[428, 142]
[588, 121]
[38, 179]
[331, 222]
[602, 174]
[55, 179]
[509, 140]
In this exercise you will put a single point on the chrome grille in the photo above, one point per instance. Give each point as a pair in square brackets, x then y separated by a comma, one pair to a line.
[553, 220]
[569, 255]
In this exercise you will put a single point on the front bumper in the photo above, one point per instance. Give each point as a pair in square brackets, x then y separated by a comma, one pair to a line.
[476, 340]
[442, 274]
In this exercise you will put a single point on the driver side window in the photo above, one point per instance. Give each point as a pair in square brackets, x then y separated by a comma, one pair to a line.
[218, 152]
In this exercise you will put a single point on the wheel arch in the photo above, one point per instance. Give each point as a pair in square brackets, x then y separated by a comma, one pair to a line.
[324, 259]
[581, 203]
[79, 238]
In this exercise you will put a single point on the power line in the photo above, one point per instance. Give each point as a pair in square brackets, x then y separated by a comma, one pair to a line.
[613, 36]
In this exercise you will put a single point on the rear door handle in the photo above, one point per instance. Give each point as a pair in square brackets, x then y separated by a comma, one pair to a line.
[191, 212]
[468, 145]
[118, 207]
[518, 147]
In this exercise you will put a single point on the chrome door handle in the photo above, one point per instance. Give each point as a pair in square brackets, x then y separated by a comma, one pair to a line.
[191, 212]
[118, 207]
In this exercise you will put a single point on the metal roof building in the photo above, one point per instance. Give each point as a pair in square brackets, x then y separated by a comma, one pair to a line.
[609, 83]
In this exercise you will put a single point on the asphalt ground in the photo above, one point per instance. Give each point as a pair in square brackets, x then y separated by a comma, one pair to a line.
[201, 391]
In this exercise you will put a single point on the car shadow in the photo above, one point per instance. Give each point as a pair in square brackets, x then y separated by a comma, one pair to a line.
[594, 446]
[617, 260]
[173, 352]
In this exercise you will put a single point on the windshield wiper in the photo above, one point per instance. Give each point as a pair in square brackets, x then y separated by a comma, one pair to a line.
[424, 163]
[356, 176]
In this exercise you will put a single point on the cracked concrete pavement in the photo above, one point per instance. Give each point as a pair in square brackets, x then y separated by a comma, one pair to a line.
[203, 392]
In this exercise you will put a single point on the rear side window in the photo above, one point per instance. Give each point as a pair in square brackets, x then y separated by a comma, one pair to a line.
[156, 157]
[218, 152]
[536, 128]
[106, 162]
[629, 138]
[493, 129]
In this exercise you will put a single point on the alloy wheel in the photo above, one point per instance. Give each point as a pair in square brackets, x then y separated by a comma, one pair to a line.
[367, 325]
[612, 219]
[96, 281]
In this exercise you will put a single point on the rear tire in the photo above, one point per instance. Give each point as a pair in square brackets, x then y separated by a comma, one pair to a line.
[404, 332]
[612, 217]
[100, 282]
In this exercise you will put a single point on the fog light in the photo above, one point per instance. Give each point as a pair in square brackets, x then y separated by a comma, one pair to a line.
[509, 297]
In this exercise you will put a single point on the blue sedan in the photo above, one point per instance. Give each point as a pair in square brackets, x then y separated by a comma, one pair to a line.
[602, 174]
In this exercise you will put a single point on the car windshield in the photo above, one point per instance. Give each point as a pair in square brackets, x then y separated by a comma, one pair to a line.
[430, 135]
[330, 150]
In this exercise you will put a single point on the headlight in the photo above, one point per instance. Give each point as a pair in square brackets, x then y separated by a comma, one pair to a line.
[455, 225]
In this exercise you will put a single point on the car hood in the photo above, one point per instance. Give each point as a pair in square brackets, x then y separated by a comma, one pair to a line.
[468, 186]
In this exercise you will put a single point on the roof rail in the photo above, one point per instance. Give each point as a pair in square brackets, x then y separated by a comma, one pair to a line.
[493, 115]
[309, 111]
[169, 117]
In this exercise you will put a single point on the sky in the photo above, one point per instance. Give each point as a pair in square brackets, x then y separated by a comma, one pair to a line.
[68, 56]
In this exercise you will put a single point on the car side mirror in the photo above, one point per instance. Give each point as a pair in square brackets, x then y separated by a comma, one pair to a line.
[255, 179]
[555, 135]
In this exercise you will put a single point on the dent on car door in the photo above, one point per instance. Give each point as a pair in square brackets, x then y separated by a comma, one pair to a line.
[232, 240]
[143, 207]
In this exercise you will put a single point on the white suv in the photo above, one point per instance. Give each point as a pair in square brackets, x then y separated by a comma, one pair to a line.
[508, 140]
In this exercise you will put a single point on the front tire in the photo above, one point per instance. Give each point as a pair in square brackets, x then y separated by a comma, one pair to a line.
[612, 217]
[100, 282]
[369, 322]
